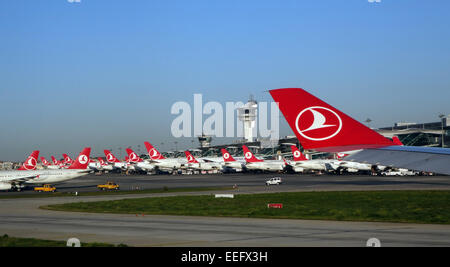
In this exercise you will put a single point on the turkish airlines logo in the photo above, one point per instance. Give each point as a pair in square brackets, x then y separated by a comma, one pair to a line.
[67, 160]
[190, 158]
[226, 156]
[110, 157]
[83, 159]
[318, 123]
[154, 154]
[30, 164]
[133, 156]
[248, 155]
[297, 154]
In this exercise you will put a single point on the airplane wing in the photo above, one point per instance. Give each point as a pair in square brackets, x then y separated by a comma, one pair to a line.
[321, 127]
[428, 159]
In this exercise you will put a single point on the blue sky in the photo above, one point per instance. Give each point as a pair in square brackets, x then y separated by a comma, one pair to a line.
[105, 73]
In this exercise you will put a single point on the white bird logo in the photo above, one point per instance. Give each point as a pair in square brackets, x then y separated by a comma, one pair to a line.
[318, 123]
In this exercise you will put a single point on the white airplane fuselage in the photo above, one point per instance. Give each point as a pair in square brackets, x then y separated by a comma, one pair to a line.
[267, 165]
[41, 176]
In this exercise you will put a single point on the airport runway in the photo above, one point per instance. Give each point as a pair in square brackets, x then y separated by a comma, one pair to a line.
[23, 218]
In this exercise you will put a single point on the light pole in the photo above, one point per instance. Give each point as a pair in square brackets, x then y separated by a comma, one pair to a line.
[441, 116]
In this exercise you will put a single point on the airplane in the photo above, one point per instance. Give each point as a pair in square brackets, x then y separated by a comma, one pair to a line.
[321, 127]
[18, 179]
[230, 162]
[117, 164]
[100, 165]
[301, 163]
[67, 159]
[138, 162]
[105, 166]
[57, 162]
[48, 164]
[31, 162]
[202, 166]
[252, 163]
[160, 161]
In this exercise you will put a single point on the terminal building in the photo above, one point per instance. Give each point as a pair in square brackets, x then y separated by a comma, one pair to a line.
[435, 134]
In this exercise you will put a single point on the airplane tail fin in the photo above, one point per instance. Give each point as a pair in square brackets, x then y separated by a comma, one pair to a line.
[248, 155]
[189, 157]
[31, 162]
[133, 157]
[45, 162]
[227, 156]
[322, 127]
[102, 162]
[82, 161]
[55, 161]
[67, 159]
[397, 141]
[110, 157]
[153, 152]
[298, 155]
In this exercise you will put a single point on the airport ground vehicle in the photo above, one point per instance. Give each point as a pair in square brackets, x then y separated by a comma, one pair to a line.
[108, 186]
[274, 181]
[45, 188]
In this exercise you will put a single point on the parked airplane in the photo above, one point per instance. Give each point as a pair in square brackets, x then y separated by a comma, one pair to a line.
[67, 159]
[230, 162]
[100, 165]
[301, 163]
[31, 162]
[252, 163]
[160, 161]
[57, 162]
[202, 166]
[48, 164]
[322, 127]
[138, 162]
[17, 180]
[117, 164]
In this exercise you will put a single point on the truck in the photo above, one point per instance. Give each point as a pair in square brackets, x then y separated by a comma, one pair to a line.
[108, 186]
[45, 188]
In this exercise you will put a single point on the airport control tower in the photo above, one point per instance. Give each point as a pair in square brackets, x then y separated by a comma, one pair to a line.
[247, 114]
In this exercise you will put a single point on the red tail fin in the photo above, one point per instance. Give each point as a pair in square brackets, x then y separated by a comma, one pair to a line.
[248, 155]
[133, 157]
[320, 126]
[45, 162]
[189, 157]
[153, 152]
[110, 157]
[397, 141]
[298, 156]
[227, 156]
[30, 162]
[55, 161]
[82, 160]
[102, 162]
[67, 159]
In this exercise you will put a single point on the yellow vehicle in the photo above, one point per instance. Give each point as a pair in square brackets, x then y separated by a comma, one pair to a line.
[108, 186]
[45, 188]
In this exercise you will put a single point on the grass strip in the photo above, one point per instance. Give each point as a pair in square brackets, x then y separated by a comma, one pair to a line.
[429, 207]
